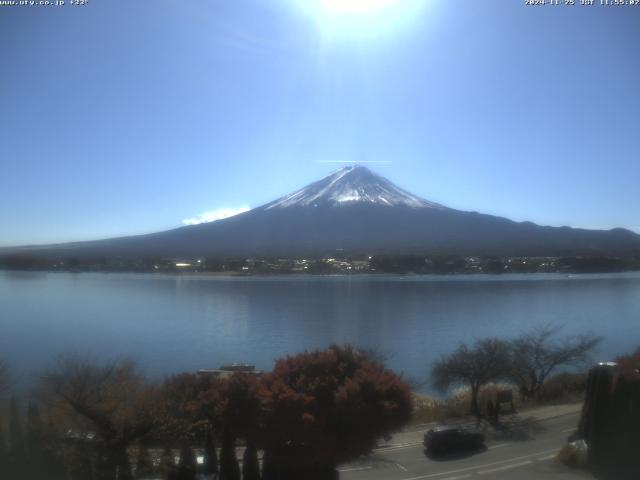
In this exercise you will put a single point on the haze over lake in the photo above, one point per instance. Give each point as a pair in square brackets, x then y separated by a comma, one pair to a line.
[183, 323]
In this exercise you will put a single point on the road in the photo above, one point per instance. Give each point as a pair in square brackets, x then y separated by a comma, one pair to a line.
[526, 452]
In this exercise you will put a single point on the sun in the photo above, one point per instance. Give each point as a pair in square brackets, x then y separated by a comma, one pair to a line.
[355, 7]
[360, 18]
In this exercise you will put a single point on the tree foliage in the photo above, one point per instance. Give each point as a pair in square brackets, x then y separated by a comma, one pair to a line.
[239, 409]
[35, 430]
[238, 413]
[210, 454]
[326, 407]
[314, 411]
[486, 361]
[630, 364]
[3, 445]
[16, 432]
[187, 406]
[40, 460]
[250, 464]
[167, 462]
[109, 403]
[80, 467]
[195, 407]
[186, 469]
[144, 462]
[4, 459]
[229, 468]
[4, 376]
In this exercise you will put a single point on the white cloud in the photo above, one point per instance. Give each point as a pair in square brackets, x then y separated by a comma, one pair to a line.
[214, 215]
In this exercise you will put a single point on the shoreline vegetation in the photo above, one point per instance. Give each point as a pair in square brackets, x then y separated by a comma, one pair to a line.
[332, 265]
[561, 389]
[314, 411]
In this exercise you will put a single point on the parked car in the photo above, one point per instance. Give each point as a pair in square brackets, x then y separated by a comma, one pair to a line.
[447, 438]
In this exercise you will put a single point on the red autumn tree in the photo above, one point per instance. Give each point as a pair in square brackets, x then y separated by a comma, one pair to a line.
[187, 406]
[323, 408]
[238, 414]
[238, 409]
[197, 408]
[185, 418]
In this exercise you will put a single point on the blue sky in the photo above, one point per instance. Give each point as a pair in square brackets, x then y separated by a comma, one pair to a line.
[125, 117]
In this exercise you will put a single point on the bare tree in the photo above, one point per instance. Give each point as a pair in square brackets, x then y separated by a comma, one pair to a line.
[111, 402]
[534, 355]
[473, 366]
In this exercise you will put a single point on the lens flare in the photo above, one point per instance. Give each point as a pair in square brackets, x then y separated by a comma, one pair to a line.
[360, 18]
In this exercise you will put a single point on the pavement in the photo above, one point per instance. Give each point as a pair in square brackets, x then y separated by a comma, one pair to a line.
[523, 447]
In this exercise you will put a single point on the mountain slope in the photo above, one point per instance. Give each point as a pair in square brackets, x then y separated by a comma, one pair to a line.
[349, 186]
[354, 211]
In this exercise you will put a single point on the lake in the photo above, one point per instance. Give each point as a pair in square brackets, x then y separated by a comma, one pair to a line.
[183, 323]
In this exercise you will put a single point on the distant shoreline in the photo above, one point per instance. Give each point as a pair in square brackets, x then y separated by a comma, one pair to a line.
[320, 275]
[342, 264]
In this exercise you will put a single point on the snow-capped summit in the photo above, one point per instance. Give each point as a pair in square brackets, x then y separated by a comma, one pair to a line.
[351, 185]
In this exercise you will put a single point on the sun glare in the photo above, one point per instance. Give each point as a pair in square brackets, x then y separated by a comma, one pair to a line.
[347, 7]
[360, 18]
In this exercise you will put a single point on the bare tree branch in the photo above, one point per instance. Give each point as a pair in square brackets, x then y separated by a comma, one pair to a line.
[473, 367]
[535, 354]
[110, 400]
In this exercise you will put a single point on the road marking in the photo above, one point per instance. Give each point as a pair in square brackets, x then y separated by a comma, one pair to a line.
[355, 469]
[459, 477]
[548, 457]
[567, 430]
[475, 467]
[505, 467]
[402, 467]
[500, 445]
[397, 447]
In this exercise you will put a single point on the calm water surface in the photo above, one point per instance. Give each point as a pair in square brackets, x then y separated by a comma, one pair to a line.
[182, 323]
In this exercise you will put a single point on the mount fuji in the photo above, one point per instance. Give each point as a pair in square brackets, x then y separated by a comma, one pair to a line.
[352, 211]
